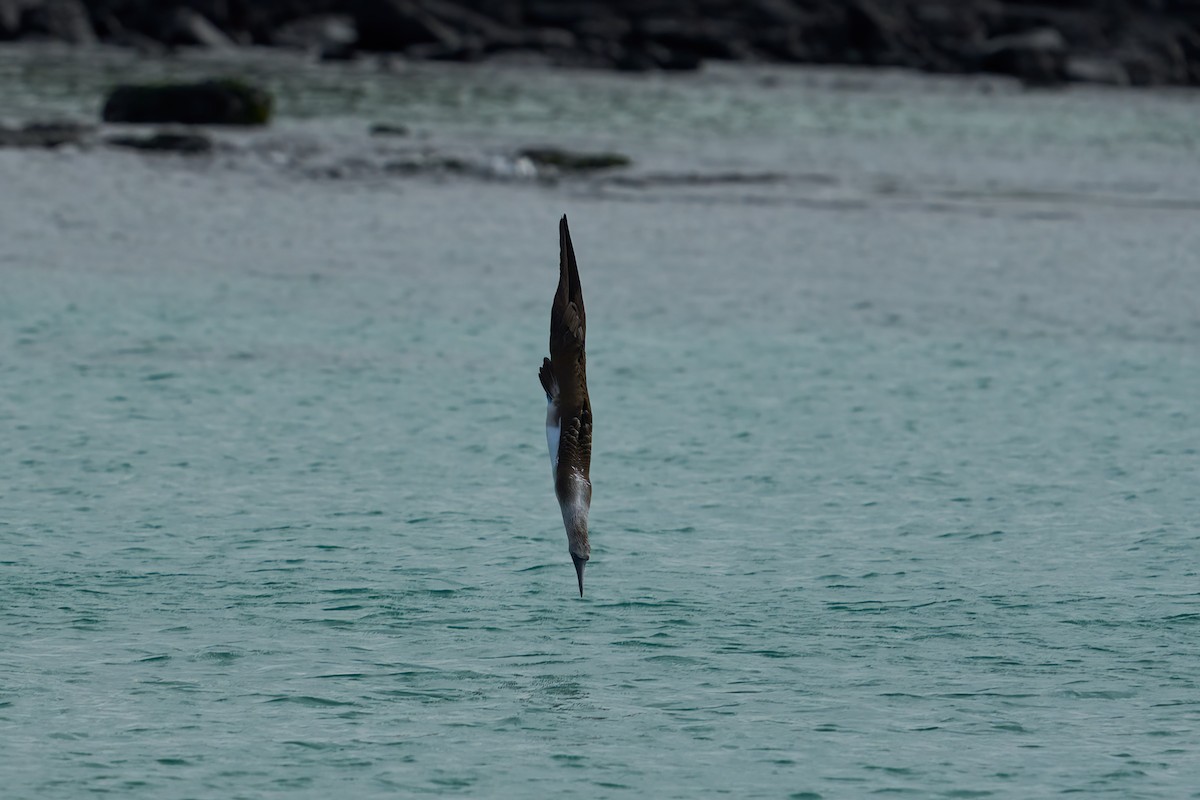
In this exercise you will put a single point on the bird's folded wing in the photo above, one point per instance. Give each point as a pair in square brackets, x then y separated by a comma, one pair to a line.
[568, 326]
[575, 442]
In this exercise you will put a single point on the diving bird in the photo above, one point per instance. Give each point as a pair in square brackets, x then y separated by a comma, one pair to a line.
[568, 410]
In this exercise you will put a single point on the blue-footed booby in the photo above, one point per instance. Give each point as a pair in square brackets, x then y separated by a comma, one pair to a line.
[568, 410]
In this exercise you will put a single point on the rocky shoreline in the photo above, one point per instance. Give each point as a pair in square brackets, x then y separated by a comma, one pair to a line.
[1119, 42]
[384, 152]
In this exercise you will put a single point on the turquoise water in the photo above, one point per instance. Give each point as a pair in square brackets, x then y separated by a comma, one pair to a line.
[895, 456]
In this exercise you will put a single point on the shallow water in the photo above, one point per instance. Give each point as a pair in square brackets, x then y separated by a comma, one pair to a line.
[895, 463]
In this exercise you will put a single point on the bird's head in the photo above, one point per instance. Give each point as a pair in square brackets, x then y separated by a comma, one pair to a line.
[575, 520]
[580, 563]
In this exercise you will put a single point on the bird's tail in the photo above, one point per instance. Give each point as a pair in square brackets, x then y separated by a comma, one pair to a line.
[546, 374]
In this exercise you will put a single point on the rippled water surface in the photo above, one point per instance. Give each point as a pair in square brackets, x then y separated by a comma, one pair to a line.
[895, 384]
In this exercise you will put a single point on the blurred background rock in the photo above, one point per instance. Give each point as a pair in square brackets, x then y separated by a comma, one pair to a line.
[1122, 42]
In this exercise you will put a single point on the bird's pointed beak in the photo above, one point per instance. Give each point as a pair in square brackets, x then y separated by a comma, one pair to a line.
[580, 563]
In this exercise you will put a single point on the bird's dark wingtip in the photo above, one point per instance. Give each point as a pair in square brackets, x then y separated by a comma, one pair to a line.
[566, 252]
[579, 565]
[568, 275]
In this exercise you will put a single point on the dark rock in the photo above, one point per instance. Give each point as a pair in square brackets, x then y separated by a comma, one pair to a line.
[773, 12]
[893, 34]
[869, 33]
[698, 39]
[566, 13]
[1037, 57]
[522, 57]
[628, 59]
[1142, 68]
[445, 31]
[426, 163]
[10, 18]
[946, 28]
[400, 24]
[141, 43]
[571, 161]
[45, 135]
[186, 143]
[317, 32]
[190, 28]
[66, 20]
[605, 28]
[113, 29]
[679, 61]
[639, 55]
[511, 13]
[1108, 71]
[541, 39]
[1159, 51]
[1080, 27]
[1149, 41]
[466, 49]
[783, 43]
[470, 22]
[590, 54]
[707, 179]
[389, 129]
[213, 102]
[338, 51]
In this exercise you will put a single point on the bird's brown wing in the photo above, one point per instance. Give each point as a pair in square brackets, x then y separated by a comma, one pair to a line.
[568, 329]
[575, 444]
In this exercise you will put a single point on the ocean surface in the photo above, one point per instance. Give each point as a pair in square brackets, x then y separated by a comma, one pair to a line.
[897, 442]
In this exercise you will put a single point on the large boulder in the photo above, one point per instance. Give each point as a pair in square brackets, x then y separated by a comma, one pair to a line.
[213, 102]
